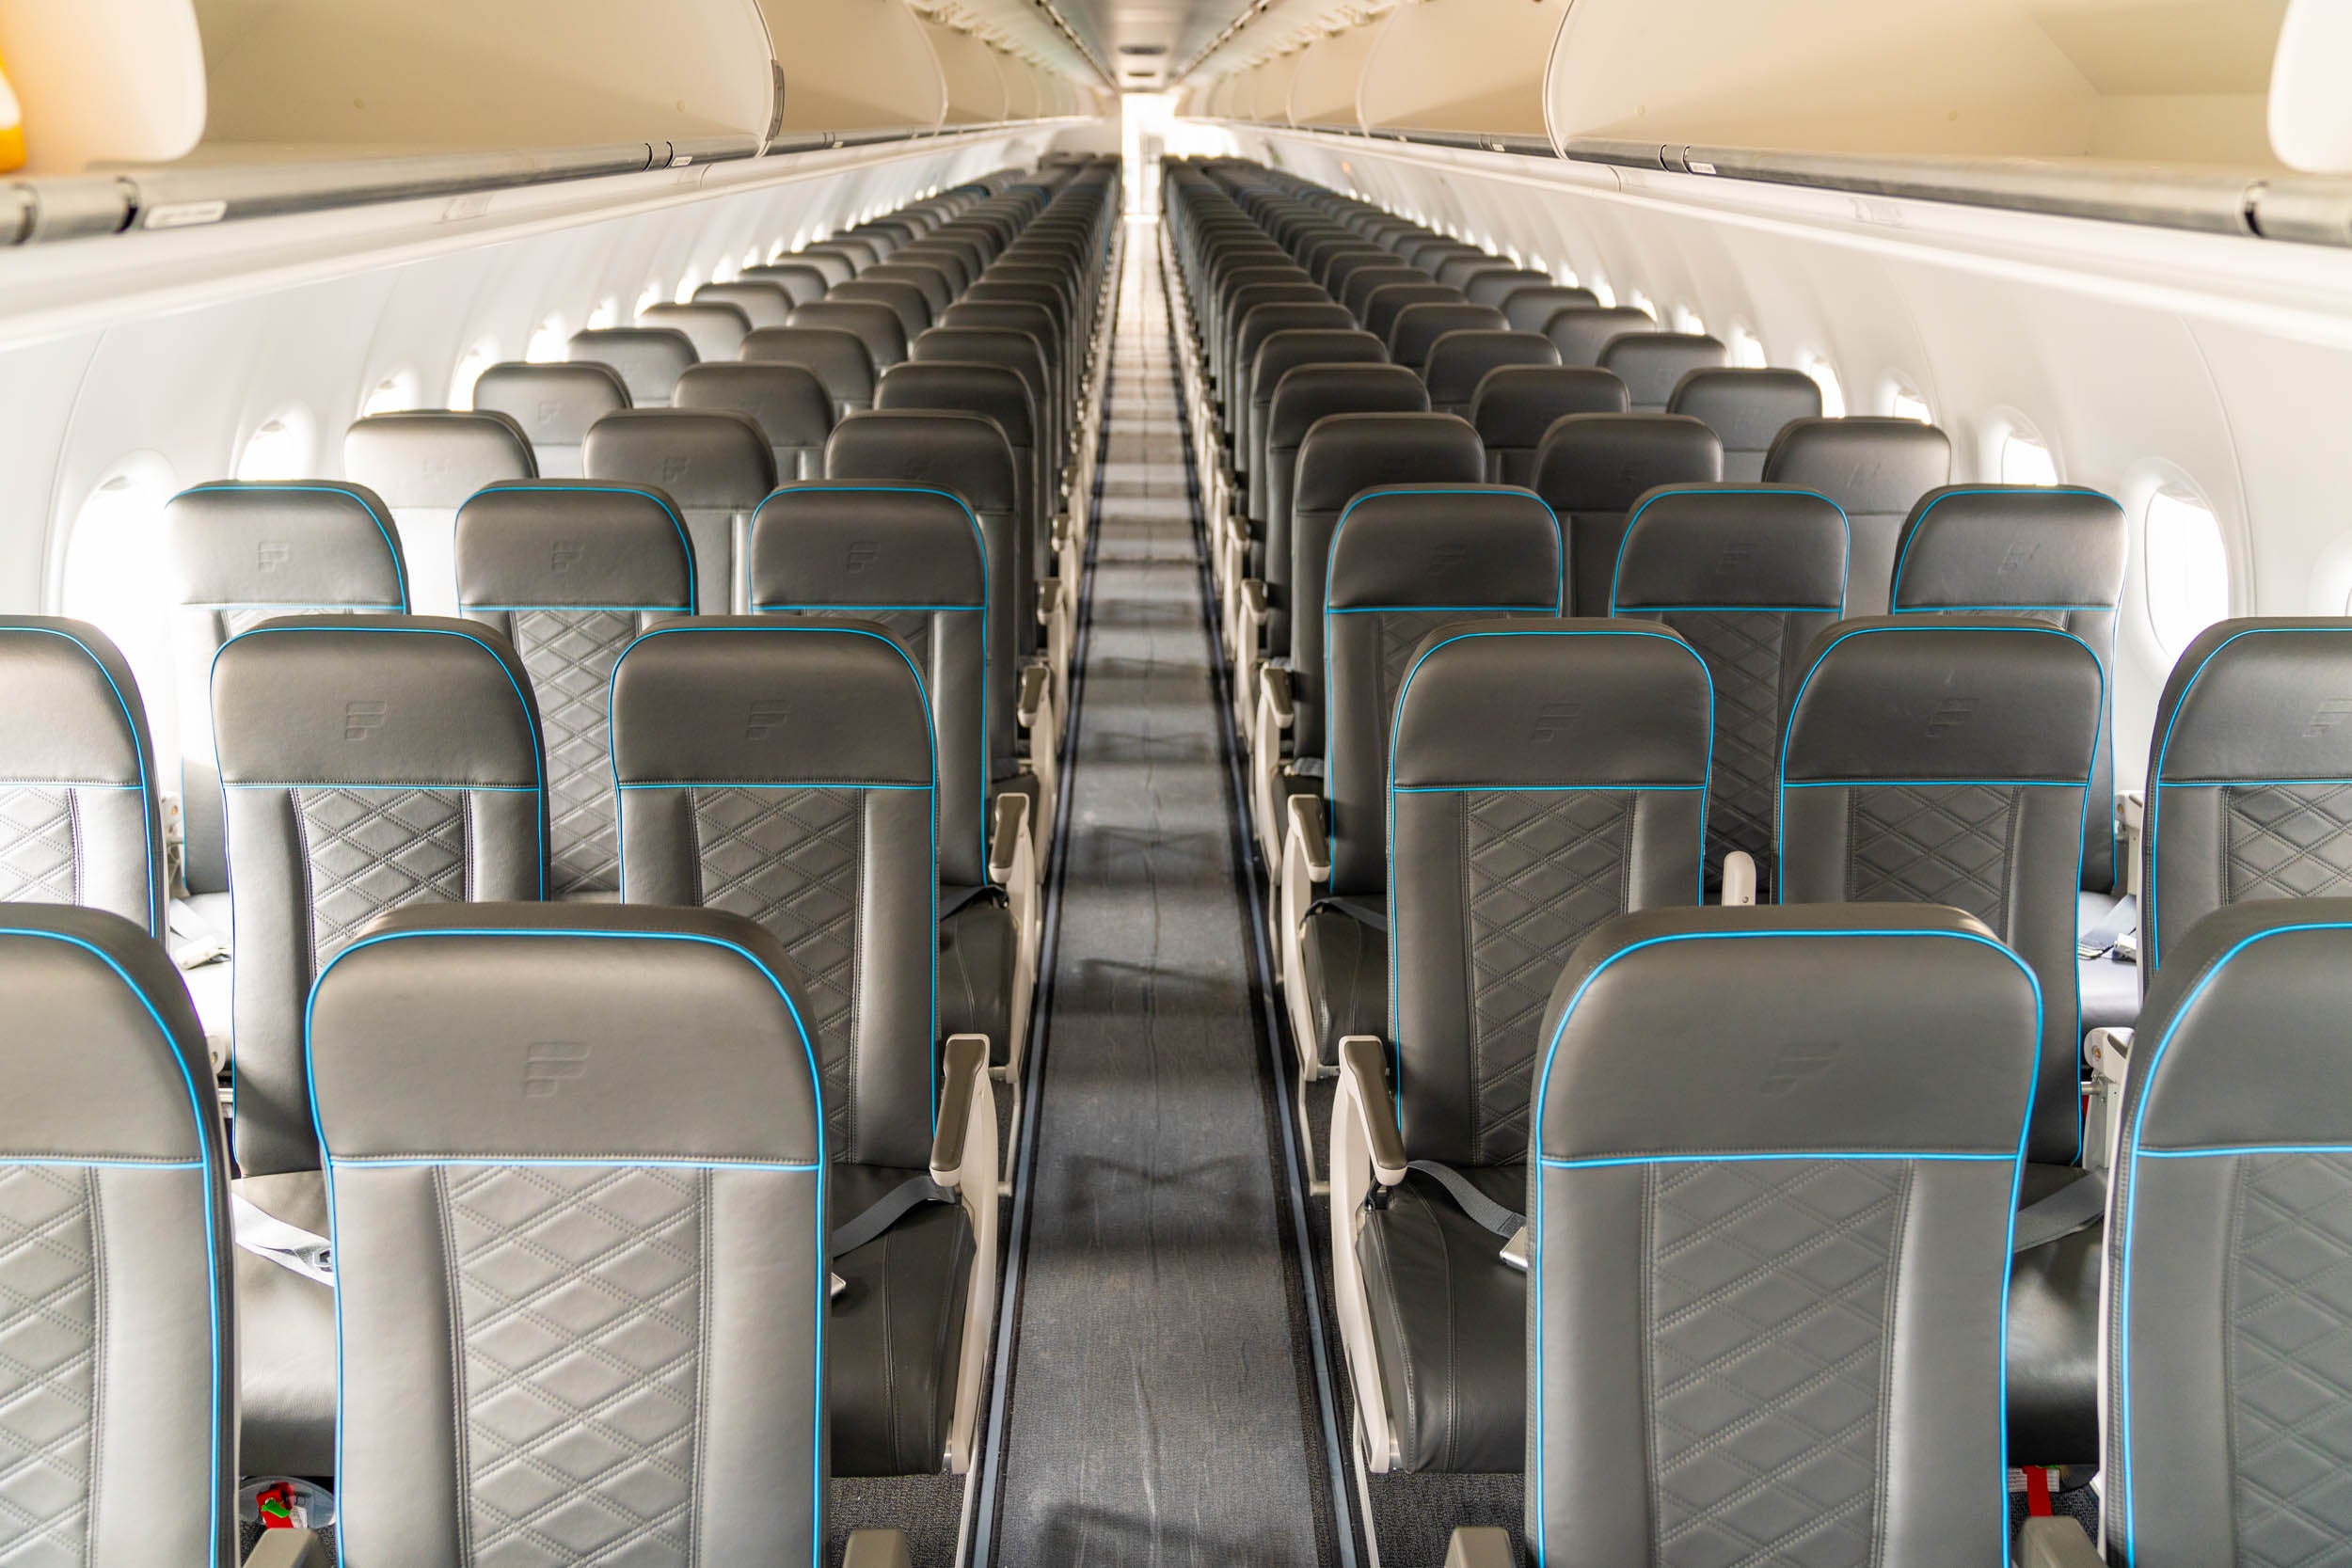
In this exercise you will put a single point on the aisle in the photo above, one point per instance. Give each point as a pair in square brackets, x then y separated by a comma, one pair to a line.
[1162, 1407]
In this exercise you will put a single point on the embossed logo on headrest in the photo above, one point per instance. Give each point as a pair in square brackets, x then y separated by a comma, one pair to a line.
[563, 552]
[675, 466]
[1448, 556]
[363, 719]
[1735, 557]
[548, 1065]
[2020, 552]
[2325, 716]
[1552, 719]
[1950, 714]
[859, 556]
[270, 554]
[764, 718]
[549, 410]
[1796, 1062]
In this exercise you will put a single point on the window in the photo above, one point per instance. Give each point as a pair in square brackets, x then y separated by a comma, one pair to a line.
[1640, 301]
[1603, 293]
[606, 314]
[1688, 320]
[1833, 395]
[279, 449]
[686, 286]
[478, 358]
[390, 395]
[2025, 460]
[2187, 566]
[1902, 403]
[1747, 348]
[550, 343]
[778, 251]
[117, 577]
[653, 294]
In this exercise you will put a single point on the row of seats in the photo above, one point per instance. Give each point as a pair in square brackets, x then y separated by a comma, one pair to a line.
[1488, 718]
[837, 775]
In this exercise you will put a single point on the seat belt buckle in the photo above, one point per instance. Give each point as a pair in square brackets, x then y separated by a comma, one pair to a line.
[1515, 1250]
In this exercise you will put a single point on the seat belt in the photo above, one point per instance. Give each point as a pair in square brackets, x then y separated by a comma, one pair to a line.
[953, 899]
[2116, 924]
[2077, 1206]
[885, 1212]
[1373, 916]
[1480, 1210]
[289, 1246]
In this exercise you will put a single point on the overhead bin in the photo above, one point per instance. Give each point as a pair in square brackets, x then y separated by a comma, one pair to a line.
[853, 65]
[1418, 76]
[1322, 94]
[972, 74]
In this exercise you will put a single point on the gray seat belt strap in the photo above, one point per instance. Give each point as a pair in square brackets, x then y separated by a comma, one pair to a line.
[2077, 1206]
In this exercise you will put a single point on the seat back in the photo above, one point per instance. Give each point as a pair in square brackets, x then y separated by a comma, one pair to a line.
[1767, 1318]
[927, 278]
[1593, 469]
[1495, 285]
[997, 393]
[1418, 329]
[1264, 322]
[79, 819]
[903, 300]
[762, 303]
[1386, 304]
[1034, 320]
[1459, 361]
[1876, 471]
[1581, 333]
[716, 330]
[1343, 456]
[553, 406]
[2049, 553]
[120, 1377]
[648, 359]
[2250, 781]
[1747, 409]
[1406, 560]
[781, 768]
[1513, 406]
[804, 282]
[1303, 398]
[836, 358]
[913, 563]
[786, 401]
[877, 327]
[424, 465]
[1945, 761]
[1652, 364]
[716, 467]
[1531, 309]
[1277, 355]
[833, 267]
[569, 574]
[1543, 777]
[369, 762]
[1362, 283]
[242, 553]
[579, 1253]
[1748, 577]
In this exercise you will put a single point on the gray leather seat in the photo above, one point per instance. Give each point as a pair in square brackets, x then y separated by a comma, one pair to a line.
[877, 327]
[1583, 333]
[1277, 356]
[1594, 468]
[716, 330]
[782, 769]
[1244, 393]
[833, 266]
[1495, 286]
[904, 300]
[1747, 409]
[424, 465]
[569, 574]
[928, 277]
[648, 359]
[1748, 575]
[715, 464]
[554, 406]
[804, 282]
[117, 1388]
[1652, 364]
[1418, 329]
[857, 253]
[1225, 358]
[1026, 355]
[1765, 1318]
[1387, 304]
[1038, 321]
[1462, 268]
[836, 358]
[370, 763]
[786, 401]
[1876, 471]
[1303, 399]
[761, 301]
[242, 553]
[579, 1252]
[1531, 310]
[80, 823]
[1514, 405]
[1545, 776]
[1359, 284]
[997, 394]
[2226, 1371]
[1459, 362]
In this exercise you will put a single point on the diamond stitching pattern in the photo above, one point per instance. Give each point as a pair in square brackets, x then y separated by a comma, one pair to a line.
[37, 859]
[1936, 844]
[792, 860]
[570, 655]
[1742, 654]
[2287, 841]
[377, 850]
[580, 1308]
[2291, 1326]
[1542, 869]
[48, 1347]
[1769, 1289]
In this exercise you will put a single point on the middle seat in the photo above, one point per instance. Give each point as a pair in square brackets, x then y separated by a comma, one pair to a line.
[715, 464]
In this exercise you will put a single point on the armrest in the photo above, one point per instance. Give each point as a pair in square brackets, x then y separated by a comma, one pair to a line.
[1364, 1067]
[1049, 590]
[1310, 832]
[288, 1548]
[877, 1548]
[963, 1073]
[1739, 880]
[1036, 681]
[2109, 1052]
[1274, 695]
[2049, 1543]
[1009, 821]
[1480, 1546]
[1253, 597]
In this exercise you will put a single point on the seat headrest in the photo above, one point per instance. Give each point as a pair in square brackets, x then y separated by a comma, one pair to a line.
[1263, 321]
[1552, 702]
[840, 542]
[876, 325]
[576, 543]
[1363, 282]
[2011, 547]
[1003, 316]
[994, 391]
[1498, 284]
[965, 454]
[985, 346]
[762, 303]
[926, 278]
[699, 457]
[716, 330]
[1977, 698]
[1581, 332]
[763, 699]
[835, 358]
[434, 457]
[1732, 547]
[372, 700]
[1531, 309]
[903, 300]
[804, 283]
[530, 1031]
[551, 403]
[70, 707]
[1459, 362]
[1392, 300]
[1312, 392]
[648, 359]
[1748, 408]
[1829, 999]
[1652, 364]
[291, 542]
[1864, 465]
[1418, 327]
[107, 1059]
[1491, 546]
[1514, 405]
[2258, 699]
[1285, 351]
[1607, 462]
[785, 400]
[1346, 454]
